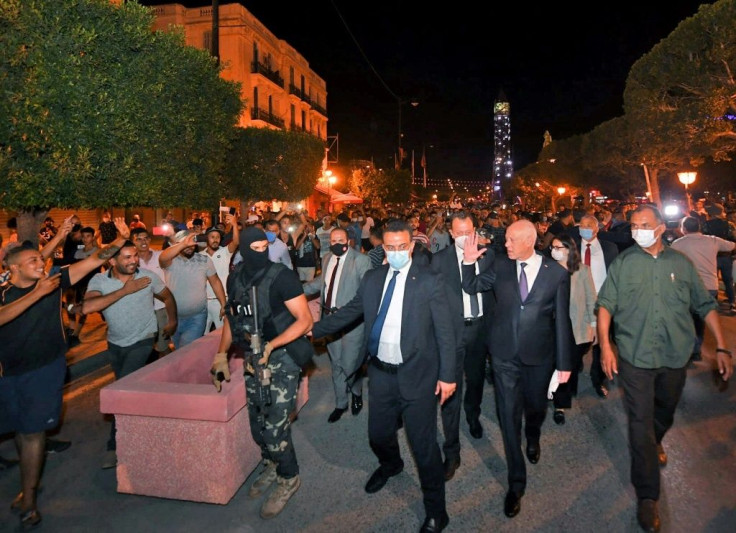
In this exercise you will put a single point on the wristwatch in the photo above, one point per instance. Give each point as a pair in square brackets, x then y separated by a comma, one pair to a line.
[723, 350]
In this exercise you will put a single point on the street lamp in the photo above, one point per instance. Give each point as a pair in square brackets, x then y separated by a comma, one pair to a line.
[329, 180]
[401, 104]
[687, 178]
[561, 190]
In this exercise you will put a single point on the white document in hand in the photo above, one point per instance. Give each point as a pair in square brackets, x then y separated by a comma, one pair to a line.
[553, 384]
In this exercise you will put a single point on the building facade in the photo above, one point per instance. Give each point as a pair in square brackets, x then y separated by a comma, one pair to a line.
[278, 88]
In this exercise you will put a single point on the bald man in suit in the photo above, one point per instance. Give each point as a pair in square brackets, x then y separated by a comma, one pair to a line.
[531, 337]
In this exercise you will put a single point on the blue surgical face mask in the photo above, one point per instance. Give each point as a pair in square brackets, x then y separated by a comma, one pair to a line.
[397, 259]
[271, 236]
[586, 233]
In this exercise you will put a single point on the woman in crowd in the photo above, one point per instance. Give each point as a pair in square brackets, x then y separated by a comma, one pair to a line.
[582, 316]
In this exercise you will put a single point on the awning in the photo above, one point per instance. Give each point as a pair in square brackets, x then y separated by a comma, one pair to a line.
[346, 198]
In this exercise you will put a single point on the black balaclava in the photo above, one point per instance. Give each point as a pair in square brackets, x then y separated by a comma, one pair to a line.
[253, 261]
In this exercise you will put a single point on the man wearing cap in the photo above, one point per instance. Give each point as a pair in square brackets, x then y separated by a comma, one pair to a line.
[221, 256]
[187, 274]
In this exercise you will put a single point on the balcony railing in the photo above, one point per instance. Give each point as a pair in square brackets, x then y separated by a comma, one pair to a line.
[264, 115]
[319, 109]
[266, 71]
[296, 91]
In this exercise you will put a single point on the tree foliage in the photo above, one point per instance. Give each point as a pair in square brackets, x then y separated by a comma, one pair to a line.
[265, 163]
[381, 186]
[99, 110]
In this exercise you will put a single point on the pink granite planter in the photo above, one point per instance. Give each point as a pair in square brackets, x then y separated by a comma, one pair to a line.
[177, 437]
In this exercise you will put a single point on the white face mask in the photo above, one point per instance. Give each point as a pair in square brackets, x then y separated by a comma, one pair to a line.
[644, 237]
[559, 255]
[460, 242]
[398, 258]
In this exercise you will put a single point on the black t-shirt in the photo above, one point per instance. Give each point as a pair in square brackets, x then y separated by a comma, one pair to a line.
[36, 337]
[69, 248]
[286, 286]
[108, 232]
[718, 227]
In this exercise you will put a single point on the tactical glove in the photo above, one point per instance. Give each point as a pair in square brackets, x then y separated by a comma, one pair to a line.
[220, 370]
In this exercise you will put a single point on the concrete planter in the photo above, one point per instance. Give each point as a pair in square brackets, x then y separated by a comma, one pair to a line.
[177, 437]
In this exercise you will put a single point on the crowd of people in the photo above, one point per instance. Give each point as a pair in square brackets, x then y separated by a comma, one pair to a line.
[421, 305]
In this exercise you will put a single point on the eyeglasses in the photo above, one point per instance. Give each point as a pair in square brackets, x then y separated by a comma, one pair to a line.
[558, 247]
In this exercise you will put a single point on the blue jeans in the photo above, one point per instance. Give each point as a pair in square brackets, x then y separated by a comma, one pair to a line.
[189, 328]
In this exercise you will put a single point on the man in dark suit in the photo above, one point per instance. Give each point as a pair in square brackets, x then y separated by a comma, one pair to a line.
[530, 337]
[598, 255]
[469, 320]
[411, 348]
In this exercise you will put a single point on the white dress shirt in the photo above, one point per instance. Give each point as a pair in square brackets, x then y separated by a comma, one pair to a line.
[467, 313]
[533, 264]
[330, 274]
[597, 261]
[389, 346]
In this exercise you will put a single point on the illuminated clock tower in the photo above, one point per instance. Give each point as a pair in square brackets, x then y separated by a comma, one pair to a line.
[503, 167]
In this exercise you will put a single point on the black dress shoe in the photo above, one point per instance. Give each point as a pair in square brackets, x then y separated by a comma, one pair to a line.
[559, 417]
[336, 414]
[450, 466]
[647, 514]
[356, 405]
[533, 452]
[512, 504]
[435, 525]
[379, 478]
[476, 430]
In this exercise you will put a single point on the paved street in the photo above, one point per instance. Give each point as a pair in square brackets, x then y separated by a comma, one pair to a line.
[581, 483]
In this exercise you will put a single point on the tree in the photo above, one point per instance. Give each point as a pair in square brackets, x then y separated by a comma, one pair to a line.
[266, 163]
[98, 110]
[381, 186]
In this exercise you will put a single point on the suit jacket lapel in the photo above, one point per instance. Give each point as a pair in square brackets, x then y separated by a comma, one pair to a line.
[540, 279]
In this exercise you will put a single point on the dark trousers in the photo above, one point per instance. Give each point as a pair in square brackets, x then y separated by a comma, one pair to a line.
[650, 398]
[565, 391]
[474, 339]
[124, 361]
[725, 267]
[450, 412]
[521, 391]
[386, 405]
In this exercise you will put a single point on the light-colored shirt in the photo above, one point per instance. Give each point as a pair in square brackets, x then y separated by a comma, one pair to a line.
[278, 252]
[439, 241]
[389, 346]
[187, 279]
[597, 261]
[365, 231]
[131, 318]
[533, 264]
[153, 265]
[221, 259]
[703, 250]
[467, 313]
[330, 273]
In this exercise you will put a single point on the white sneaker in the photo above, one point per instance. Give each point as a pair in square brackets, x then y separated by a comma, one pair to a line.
[277, 500]
[264, 480]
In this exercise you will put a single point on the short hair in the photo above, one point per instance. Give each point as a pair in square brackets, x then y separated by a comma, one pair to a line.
[376, 232]
[461, 215]
[88, 229]
[11, 258]
[341, 230]
[649, 207]
[197, 222]
[690, 224]
[271, 222]
[396, 225]
[137, 231]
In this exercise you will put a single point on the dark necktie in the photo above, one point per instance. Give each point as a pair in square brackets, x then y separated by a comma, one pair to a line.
[328, 298]
[523, 285]
[381, 317]
[587, 254]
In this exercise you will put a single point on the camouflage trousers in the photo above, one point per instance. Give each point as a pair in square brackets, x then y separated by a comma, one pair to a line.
[271, 425]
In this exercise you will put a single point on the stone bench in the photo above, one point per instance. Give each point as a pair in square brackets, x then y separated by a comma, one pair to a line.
[177, 437]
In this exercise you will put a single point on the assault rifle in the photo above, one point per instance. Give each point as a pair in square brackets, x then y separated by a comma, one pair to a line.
[253, 364]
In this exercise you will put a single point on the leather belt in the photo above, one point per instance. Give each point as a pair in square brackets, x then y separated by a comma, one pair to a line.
[385, 367]
[471, 321]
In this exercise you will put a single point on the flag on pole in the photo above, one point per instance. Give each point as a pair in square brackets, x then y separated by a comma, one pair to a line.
[397, 166]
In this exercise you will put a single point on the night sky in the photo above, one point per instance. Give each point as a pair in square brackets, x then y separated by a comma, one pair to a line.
[561, 65]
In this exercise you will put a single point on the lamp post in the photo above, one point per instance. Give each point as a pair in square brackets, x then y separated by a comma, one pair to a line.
[330, 180]
[401, 104]
[687, 178]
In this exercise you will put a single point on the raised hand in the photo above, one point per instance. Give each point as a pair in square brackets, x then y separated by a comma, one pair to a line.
[470, 250]
[122, 227]
[66, 226]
